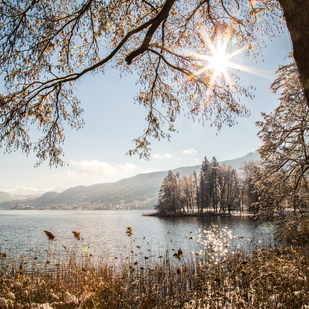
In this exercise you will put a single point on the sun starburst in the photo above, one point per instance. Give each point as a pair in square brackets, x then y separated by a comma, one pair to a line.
[217, 62]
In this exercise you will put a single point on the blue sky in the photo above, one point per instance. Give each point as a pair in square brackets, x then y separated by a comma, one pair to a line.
[96, 154]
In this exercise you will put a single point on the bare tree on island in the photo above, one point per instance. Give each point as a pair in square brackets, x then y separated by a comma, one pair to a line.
[229, 189]
[249, 192]
[172, 45]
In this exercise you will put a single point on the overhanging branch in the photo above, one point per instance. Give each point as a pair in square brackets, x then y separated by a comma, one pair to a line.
[160, 17]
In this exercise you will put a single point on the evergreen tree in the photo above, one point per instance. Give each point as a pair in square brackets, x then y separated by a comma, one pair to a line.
[204, 193]
[213, 183]
[197, 189]
[169, 195]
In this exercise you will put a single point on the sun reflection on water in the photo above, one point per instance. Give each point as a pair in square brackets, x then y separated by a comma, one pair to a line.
[214, 242]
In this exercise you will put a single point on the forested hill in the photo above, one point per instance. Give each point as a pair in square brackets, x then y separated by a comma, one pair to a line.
[140, 190]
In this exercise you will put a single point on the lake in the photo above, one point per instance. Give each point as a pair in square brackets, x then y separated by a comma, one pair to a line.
[103, 233]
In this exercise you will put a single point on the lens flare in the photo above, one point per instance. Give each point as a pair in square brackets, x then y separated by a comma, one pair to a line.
[266, 227]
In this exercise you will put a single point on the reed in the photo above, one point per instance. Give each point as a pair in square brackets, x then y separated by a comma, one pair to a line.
[266, 278]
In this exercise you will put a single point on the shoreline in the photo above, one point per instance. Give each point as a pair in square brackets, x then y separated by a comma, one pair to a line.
[195, 214]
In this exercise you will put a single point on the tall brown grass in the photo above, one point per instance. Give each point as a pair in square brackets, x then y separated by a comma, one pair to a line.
[267, 278]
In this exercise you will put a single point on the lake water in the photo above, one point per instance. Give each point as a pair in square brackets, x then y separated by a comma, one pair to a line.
[103, 233]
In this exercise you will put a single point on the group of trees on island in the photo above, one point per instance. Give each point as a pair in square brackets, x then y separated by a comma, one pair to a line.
[217, 188]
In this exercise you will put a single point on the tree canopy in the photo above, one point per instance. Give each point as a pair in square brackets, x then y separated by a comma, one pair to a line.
[283, 176]
[46, 46]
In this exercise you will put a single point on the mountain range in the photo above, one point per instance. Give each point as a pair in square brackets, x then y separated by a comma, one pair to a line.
[140, 191]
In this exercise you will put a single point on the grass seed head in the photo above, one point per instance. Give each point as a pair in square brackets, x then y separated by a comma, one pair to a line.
[178, 254]
[129, 231]
[76, 235]
[50, 235]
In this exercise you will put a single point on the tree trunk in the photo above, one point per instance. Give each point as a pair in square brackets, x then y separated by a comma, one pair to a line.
[296, 14]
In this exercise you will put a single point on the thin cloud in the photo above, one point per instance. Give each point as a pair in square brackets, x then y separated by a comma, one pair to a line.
[189, 151]
[161, 156]
[98, 168]
[22, 188]
[126, 168]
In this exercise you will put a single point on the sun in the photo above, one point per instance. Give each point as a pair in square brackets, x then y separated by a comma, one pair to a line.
[217, 61]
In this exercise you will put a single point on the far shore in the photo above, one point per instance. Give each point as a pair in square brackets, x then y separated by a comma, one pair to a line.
[196, 214]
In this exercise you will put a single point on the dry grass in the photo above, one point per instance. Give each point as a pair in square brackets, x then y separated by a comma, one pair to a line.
[268, 278]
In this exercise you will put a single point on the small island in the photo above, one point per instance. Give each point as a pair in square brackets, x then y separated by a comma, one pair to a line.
[218, 190]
